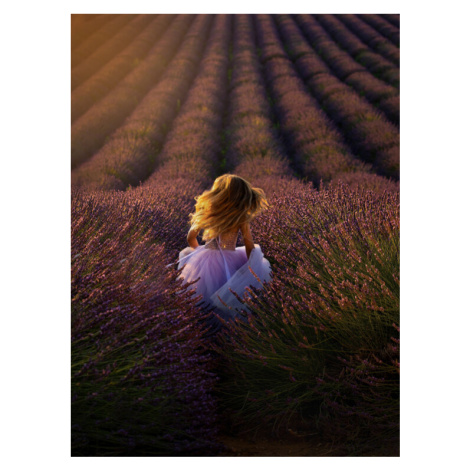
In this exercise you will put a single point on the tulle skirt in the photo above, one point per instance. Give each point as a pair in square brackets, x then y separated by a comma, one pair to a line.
[220, 271]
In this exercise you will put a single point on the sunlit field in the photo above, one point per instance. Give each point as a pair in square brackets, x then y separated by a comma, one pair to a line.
[306, 107]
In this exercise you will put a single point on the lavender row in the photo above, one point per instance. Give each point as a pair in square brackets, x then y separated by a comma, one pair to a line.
[368, 132]
[142, 378]
[376, 61]
[349, 41]
[97, 86]
[394, 19]
[380, 67]
[99, 38]
[388, 30]
[314, 141]
[93, 127]
[381, 95]
[130, 154]
[193, 146]
[109, 49]
[83, 26]
[78, 27]
[254, 149]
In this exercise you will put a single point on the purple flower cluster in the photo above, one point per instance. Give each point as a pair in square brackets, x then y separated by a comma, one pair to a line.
[354, 45]
[142, 377]
[322, 335]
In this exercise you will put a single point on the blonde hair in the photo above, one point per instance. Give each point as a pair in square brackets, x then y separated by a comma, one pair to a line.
[230, 202]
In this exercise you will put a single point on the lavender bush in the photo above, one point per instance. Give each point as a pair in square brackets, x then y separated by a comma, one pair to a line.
[319, 348]
[141, 374]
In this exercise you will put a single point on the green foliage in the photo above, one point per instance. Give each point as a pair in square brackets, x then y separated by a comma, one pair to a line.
[319, 345]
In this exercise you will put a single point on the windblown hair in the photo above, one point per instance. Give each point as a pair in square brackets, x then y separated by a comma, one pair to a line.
[230, 202]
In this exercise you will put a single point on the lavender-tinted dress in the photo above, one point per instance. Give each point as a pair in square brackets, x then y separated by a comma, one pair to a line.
[222, 266]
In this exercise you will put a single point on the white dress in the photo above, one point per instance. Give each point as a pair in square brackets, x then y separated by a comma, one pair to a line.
[221, 266]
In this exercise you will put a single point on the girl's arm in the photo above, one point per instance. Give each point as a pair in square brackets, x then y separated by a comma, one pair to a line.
[247, 239]
[192, 237]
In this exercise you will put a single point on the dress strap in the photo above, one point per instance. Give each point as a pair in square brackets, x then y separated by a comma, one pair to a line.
[227, 272]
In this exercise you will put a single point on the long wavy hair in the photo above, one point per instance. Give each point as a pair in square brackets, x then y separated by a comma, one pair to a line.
[230, 202]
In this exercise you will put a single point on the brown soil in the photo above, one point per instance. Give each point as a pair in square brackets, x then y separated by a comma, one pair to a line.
[280, 447]
[240, 441]
[298, 439]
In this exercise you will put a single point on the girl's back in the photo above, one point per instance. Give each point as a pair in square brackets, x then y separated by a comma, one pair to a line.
[226, 241]
[219, 267]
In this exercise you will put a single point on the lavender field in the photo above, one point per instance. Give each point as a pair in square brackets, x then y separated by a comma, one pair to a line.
[306, 107]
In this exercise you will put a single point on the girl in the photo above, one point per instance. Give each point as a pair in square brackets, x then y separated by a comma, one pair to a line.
[227, 208]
